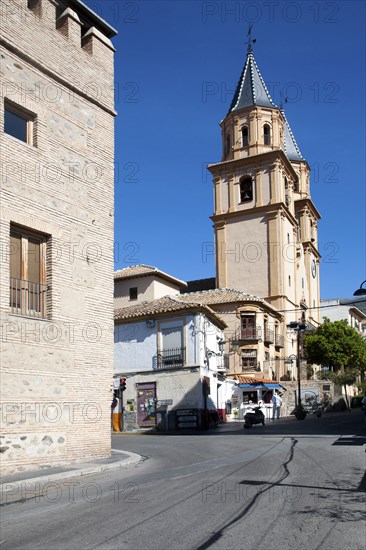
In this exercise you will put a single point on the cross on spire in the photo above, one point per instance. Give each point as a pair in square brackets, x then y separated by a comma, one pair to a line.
[250, 40]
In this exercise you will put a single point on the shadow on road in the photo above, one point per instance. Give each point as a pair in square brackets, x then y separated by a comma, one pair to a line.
[336, 424]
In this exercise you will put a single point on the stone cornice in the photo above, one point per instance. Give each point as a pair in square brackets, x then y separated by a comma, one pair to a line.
[270, 209]
[272, 156]
[307, 203]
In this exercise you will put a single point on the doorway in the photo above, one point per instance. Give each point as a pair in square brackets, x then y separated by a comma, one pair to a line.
[146, 404]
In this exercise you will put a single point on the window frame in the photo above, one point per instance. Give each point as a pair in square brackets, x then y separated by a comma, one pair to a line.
[28, 117]
[246, 180]
[266, 134]
[25, 292]
[228, 144]
[245, 138]
[250, 356]
[133, 295]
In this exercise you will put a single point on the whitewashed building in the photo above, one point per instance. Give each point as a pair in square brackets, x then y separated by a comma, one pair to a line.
[352, 310]
[171, 354]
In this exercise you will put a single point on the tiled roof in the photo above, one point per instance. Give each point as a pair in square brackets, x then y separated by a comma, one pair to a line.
[166, 304]
[250, 380]
[220, 296]
[142, 270]
[251, 88]
[291, 148]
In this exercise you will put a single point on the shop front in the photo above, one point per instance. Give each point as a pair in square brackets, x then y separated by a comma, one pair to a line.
[249, 392]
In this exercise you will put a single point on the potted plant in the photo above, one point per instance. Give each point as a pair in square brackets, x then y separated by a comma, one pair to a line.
[300, 412]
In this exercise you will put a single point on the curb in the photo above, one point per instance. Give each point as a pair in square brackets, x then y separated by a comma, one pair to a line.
[133, 458]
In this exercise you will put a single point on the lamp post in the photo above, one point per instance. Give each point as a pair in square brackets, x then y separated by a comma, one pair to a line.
[290, 361]
[360, 291]
[298, 327]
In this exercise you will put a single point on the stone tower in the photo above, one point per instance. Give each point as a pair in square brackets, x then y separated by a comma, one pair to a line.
[265, 222]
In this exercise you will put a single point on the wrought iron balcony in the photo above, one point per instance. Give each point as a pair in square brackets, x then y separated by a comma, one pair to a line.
[170, 358]
[246, 366]
[27, 298]
[268, 335]
[252, 333]
[279, 341]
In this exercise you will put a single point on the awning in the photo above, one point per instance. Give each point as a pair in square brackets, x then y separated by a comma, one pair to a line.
[266, 386]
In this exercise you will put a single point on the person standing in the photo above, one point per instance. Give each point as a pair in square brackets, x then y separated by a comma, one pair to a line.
[276, 402]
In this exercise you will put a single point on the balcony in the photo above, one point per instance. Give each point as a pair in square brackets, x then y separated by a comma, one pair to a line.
[252, 333]
[249, 367]
[27, 298]
[279, 341]
[170, 359]
[268, 336]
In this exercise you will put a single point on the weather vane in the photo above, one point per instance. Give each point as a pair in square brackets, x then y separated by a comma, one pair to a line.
[250, 40]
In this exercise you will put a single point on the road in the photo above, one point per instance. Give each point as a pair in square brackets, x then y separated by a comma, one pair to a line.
[288, 485]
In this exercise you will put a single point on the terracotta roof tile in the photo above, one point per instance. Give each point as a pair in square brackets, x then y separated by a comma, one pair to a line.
[250, 380]
[220, 296]
[166, 304]
[142, 270]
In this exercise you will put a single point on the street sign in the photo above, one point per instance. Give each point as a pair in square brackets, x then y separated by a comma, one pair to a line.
[165, 402]
[187, 418]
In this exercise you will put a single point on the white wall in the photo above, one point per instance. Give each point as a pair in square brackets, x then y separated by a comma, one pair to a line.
[136, 346]
[150, 287]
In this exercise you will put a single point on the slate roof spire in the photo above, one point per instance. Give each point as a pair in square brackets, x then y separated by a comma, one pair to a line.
[251, 88]
[291, 148]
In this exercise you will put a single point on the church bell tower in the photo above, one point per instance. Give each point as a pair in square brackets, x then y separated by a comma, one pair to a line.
[265, 221]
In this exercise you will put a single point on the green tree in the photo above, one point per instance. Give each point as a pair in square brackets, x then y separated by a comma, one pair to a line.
[340, 347]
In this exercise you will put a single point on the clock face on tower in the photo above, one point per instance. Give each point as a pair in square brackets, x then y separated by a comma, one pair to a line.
[313, 268]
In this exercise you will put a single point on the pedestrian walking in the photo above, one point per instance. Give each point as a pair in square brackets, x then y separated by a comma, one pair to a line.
[276, 402]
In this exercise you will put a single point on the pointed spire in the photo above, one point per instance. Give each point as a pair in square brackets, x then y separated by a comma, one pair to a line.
[290, 146]
[251, 88]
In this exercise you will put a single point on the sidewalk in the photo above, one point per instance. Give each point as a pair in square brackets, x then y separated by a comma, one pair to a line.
[36, 480]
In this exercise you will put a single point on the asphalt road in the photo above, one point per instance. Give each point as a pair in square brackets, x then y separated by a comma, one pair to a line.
[287, 485]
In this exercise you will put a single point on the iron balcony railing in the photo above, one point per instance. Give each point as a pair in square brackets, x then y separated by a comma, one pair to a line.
[279, 341]
[27, 298]
[252, 333]
[268, 335]
[170, 358]
[250, 366]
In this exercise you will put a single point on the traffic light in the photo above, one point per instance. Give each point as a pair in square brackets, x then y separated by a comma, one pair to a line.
[122, 384]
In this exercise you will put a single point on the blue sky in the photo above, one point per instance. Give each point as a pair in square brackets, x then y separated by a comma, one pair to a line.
[177, 65]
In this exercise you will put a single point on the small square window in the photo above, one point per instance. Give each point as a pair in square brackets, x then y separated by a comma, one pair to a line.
[133, 293]
[18, 123]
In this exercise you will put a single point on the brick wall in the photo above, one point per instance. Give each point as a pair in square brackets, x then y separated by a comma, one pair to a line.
[57, 370]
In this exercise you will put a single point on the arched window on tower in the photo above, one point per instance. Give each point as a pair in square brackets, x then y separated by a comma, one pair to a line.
[227, 145]
[246, 189]
[245, 136]
[266, 134]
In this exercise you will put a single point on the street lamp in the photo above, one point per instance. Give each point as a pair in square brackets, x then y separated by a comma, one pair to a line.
[235, 345]
[360, 291]
[290, 361]
[298, 327]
